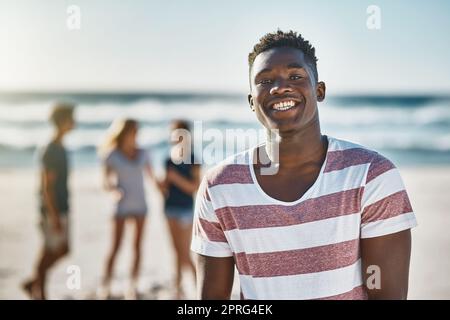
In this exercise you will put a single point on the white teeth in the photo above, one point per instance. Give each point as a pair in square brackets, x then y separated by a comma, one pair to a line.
[285, 105]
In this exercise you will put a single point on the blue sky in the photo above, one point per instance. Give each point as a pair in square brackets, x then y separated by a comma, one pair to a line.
[203, 45]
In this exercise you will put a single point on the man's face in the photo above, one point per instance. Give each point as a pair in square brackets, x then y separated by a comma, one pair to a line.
[284, 92]
[68, 124]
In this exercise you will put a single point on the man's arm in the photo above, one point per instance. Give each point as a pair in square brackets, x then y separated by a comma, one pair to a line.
[214, 277]
[108, 184]
[48, 181]
[391, 253]
[189, 186]
[161, 185]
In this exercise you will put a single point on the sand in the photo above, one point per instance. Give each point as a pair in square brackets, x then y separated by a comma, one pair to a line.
[428, 188]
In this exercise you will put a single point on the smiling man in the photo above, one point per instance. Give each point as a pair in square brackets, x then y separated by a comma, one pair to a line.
[332, 212]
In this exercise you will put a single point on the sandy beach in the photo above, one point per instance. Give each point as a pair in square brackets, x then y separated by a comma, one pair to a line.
[91, 214]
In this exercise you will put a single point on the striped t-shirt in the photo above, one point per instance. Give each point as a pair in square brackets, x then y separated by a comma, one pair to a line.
[308, 248]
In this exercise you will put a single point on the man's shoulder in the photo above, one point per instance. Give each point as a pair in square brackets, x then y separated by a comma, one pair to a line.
[143, 154]
[348, 146]
[349, 150]
[234, 169]
[51, 149]
[349, 153]
[48, 147]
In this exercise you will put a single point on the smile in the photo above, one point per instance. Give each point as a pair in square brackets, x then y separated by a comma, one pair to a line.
[284, 105]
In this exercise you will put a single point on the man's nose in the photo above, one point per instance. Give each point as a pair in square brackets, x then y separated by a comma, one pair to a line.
[280, 86]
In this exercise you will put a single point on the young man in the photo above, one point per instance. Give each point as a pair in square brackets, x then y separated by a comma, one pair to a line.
[54, 197]
[331, 223]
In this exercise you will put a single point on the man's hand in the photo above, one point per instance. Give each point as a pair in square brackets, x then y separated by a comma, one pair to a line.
[118, 194]
[172, 175]
[163, 187]
[189, 186]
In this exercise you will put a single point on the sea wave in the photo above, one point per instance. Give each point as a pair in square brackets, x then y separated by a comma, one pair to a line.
[406, 124]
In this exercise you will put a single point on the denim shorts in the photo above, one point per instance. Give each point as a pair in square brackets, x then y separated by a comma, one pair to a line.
[181, 214]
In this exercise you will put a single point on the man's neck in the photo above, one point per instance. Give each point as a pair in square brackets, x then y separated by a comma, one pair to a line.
[58, 137]
[297, 149]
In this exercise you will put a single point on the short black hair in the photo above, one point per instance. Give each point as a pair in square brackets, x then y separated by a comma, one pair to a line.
[285, 39]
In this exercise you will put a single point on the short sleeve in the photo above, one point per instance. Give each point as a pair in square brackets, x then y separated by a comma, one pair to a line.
[146, 156]
[168, 163]
[49, 159]
[208, 237]
[385, 203]
[108, 160]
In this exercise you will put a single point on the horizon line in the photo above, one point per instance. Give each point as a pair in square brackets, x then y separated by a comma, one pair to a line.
[209, 93]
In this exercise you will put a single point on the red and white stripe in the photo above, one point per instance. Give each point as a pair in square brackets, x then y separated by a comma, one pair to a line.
[309, 248]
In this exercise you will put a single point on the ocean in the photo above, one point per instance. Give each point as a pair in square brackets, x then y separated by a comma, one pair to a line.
[410, 130]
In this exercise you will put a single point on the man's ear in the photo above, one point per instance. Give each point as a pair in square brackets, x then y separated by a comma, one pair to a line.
[320, 91]
[250, 102]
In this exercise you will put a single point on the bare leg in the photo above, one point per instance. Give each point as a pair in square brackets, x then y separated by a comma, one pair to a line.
[131, 292]
[174, 232]
[181, 237]
[185, 252]
[118, 226]
[140, 223]
[186, 235]
[27, 286]
[36, 287]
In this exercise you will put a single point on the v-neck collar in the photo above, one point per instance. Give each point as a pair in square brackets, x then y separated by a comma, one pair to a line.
[305, 195]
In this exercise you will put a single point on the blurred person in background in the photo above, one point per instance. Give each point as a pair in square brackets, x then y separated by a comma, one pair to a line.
[124, 165]
[181, 182]
[54, 201]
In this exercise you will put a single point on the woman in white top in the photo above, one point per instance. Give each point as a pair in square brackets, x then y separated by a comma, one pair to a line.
[124, 167]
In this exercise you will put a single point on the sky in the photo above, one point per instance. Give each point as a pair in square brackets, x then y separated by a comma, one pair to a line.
[203, 45]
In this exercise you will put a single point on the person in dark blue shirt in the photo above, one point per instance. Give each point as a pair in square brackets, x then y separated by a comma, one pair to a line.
[181, 182]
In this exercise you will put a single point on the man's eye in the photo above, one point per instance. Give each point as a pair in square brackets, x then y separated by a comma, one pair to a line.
[265, 81]
[296, 77]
